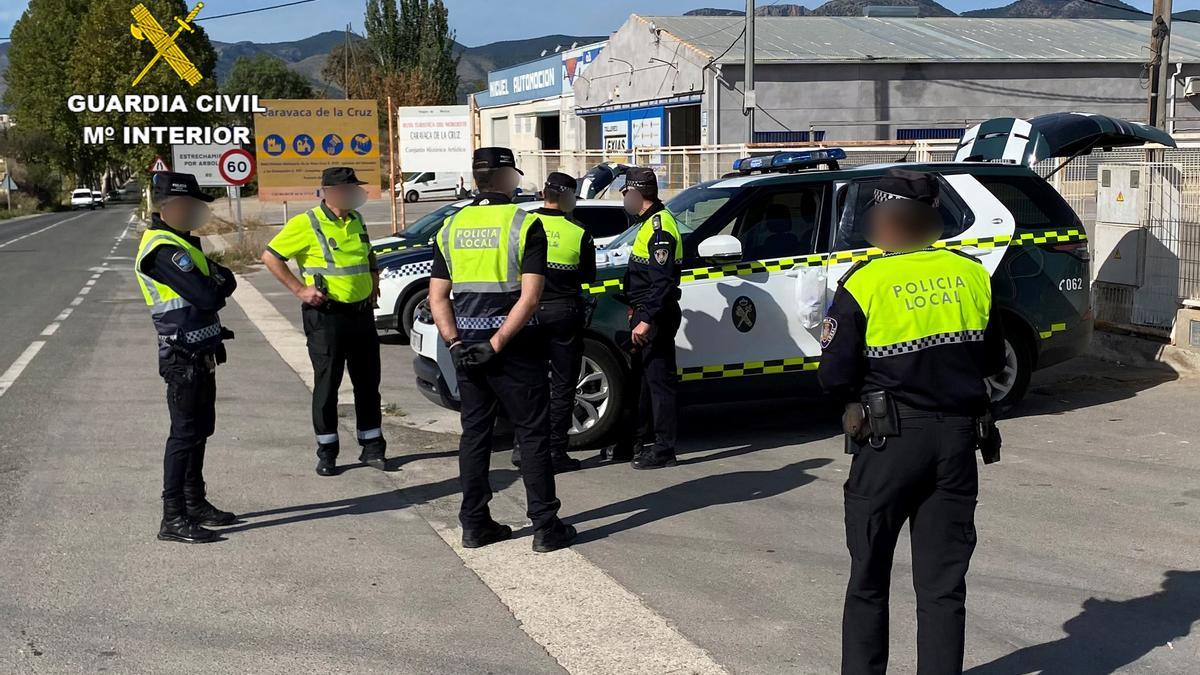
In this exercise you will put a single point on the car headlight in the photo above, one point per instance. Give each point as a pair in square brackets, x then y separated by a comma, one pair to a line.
[423, 313]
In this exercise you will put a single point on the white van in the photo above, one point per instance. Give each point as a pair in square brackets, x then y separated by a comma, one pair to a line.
[434, 185]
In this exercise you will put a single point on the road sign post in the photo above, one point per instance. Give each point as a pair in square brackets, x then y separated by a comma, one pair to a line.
[236, 166]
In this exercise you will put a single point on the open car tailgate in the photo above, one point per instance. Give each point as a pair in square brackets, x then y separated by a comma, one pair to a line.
[1011, 140]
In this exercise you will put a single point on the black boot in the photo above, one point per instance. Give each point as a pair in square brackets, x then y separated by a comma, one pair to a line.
[564, 463]
[559, 535]
[488, 534]
[176, 526]
[653, 459]
[201, 511]
[327, 460]
[373, 455]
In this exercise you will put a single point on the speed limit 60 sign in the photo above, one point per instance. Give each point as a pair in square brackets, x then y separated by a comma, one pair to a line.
[236, 166]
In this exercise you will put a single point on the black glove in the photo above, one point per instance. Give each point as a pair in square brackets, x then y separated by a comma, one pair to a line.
[478, 355]
[457, 351]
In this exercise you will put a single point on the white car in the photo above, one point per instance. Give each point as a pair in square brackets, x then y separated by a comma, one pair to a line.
[98, 198]
[405, 261]
[433, 185]
[82, 198]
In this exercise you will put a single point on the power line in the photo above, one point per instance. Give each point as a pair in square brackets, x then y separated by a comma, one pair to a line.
[252, 11]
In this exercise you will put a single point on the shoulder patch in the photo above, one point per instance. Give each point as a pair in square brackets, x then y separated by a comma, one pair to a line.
[850, 272]
[828, 331]
[183, 260]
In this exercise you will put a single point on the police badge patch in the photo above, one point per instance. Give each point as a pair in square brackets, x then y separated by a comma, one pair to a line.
[661, 255]
[183, 261]
[332, 243]
[828, 331]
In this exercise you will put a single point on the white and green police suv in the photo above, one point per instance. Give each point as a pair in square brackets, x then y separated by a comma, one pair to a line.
[765, 247]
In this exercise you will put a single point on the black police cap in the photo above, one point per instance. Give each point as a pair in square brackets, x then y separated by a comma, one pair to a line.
[643, 180]
[340, 175]
[494, 158]
[904, 184]
[171, 184]
[561, 183]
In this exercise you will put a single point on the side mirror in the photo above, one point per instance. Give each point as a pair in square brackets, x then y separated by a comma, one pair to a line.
[720, 249]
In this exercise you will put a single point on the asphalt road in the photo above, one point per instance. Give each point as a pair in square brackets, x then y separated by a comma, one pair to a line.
[732, 562]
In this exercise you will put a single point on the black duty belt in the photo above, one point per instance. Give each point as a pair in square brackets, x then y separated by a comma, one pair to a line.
[335, 307]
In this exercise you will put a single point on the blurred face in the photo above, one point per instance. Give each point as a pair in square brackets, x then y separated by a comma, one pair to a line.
[507, 180]
[345, 197]
[902, 225]
[635, 203]
[184, 213]
[563, 201]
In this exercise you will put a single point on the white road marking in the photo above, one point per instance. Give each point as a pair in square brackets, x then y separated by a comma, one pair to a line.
[85, 290]
[77, 301]
[50, 329]
[30, 234]
[14, 371]
[62, 316]
[92, 281]
[580, 615]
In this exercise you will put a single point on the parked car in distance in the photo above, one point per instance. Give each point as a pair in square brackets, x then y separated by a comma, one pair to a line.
[433, 185]
[98, 198]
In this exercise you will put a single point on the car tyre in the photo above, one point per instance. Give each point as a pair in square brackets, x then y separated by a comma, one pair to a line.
[1009, 387]
[600, 395]
[412, 197]
[406, 309]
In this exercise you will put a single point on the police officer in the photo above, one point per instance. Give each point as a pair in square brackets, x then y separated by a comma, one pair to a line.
[339, 292]
[493, 256]
[652, 292]
[912, 336]
[570, 263]
[184, 290]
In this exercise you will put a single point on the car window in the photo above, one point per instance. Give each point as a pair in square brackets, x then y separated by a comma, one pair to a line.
[855, 198]
[428, 225]
[691, 208]
[782, 223]
[1034, 204]
[602, 221]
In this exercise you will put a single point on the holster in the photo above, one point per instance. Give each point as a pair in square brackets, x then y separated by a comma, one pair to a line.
[987, 436]
[883, 419]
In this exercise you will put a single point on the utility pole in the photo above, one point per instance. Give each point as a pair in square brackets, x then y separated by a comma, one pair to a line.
[750, 102]
[392, 163]
[1160, 64]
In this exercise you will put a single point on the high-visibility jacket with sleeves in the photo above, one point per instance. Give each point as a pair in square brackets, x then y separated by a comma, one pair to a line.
[918, 325]
[337, 249]
[483, 246]
[177, 321]
[652, 277]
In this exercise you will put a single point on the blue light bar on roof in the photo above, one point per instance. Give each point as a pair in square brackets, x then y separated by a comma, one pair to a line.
[783, 161]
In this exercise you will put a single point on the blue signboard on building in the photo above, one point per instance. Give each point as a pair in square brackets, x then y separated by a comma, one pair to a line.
[527, 82]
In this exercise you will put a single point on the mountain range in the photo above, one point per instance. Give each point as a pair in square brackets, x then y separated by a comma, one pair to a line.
[1021, 9]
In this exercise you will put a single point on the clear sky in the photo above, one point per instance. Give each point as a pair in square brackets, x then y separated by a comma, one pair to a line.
[475, 21]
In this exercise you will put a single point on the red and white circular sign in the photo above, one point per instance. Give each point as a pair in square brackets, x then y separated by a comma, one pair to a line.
[236, 166]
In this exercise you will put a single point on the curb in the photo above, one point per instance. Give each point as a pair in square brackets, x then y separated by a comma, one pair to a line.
[1136, 351]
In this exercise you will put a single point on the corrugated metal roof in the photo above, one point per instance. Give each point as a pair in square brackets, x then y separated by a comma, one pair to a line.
[823, 39]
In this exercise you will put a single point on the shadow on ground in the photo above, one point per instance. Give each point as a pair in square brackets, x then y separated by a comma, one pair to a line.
[1110, 634]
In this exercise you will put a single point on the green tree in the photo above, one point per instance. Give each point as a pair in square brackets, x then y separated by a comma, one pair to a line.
[110, 58]
[393, 31]
[438, 63]
[266, 76]
[39, 82]
[351, 67]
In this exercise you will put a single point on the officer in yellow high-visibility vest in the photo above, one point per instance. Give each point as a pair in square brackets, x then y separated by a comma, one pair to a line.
[652, 292]
[907, 345]
[570, 263]
[184, 290]
[339, 290]
[492, 255]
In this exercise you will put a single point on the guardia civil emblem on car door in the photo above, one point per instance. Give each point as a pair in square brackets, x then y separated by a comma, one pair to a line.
[744, 314]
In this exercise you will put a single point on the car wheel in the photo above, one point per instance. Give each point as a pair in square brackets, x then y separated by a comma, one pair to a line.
[599, 396]
[1009, 387]
[412, 196]
[407, 309]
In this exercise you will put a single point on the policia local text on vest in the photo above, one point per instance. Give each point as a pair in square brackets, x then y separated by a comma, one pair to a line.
[185, 291]
[340, 285]
[910, 338]
[492, 255]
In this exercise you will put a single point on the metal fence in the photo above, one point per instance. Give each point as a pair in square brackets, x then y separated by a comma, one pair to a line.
[1170, 266]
